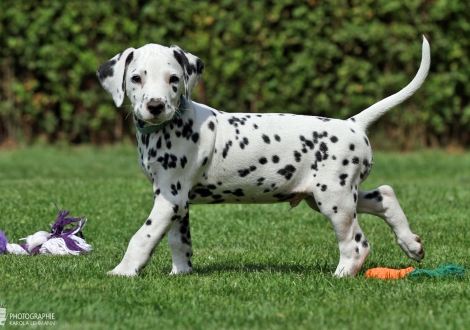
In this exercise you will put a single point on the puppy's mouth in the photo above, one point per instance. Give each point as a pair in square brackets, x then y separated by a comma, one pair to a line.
[152, 120]
[140, 122]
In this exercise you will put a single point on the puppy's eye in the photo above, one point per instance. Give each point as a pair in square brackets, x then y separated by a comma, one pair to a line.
[174, 79]
[136, 79]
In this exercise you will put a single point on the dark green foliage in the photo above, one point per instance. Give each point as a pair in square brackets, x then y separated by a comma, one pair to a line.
[331, 58]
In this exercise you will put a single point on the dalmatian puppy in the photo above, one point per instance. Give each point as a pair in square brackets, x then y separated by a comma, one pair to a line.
[194, 154]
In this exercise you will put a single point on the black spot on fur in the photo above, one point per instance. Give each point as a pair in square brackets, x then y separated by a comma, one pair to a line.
[275, 159]
[297, 156]
[309, 144]
[184, 240]
[375, 194]
[211, 125]
[106, 70]
[343, 179]
[183, 161]
[226, 149]
[358, 237]
[152, 153]
[287, 171]
[263, 160]
[244, 172]
[351, 147]
[277, 138]
[174, 190]
[167, 161]
[145, 138]
[318, 156]
[372, 195]
[187, 130]
[148, 222]
[266, 139]
[334, 139]
[203, 192]
[175, 218]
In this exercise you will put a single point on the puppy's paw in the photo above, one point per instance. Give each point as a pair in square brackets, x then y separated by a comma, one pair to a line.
[412, 247]
[119, 271]
[181, 270]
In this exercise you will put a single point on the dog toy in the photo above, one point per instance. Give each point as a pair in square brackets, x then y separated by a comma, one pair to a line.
[394, 274]
[59, 241]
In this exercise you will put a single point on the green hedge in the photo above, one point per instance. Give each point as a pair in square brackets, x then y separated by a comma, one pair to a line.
[329, 58]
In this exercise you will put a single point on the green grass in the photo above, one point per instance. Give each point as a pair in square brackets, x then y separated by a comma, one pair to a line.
[255, 266]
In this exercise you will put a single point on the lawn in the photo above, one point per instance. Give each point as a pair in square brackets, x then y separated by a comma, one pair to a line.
[255, 266]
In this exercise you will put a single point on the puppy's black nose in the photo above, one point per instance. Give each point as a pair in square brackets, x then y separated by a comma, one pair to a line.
[155, 107]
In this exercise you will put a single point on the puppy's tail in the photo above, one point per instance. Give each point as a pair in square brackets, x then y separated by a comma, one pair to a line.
[375, 111]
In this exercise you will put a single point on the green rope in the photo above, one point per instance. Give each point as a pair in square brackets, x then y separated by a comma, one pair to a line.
[442, 271]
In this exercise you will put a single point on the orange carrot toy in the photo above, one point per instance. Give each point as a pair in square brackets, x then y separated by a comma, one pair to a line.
[388, 273]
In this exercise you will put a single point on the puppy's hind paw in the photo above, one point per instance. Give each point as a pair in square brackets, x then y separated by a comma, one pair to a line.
[413, 248]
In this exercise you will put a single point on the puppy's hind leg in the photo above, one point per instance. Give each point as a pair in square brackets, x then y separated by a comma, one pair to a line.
[341, 212]
[383, 203]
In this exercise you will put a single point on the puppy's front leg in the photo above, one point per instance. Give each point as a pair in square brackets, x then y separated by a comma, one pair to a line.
[146, 239]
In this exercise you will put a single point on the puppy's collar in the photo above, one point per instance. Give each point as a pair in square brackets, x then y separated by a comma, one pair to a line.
[155, 128]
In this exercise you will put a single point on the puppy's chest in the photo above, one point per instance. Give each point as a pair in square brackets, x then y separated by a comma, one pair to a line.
[175, 148]
[161, 148]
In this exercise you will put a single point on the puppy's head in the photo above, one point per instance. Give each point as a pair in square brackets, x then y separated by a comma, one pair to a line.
[154, 78]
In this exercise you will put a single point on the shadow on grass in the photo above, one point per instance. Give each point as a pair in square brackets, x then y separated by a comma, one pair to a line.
[264, 268]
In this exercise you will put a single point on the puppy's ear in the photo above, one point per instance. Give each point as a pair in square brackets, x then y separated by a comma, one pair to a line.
[112, 75]
[192, 66]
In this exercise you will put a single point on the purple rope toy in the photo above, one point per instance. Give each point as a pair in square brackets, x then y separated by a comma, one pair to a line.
[59, 241]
